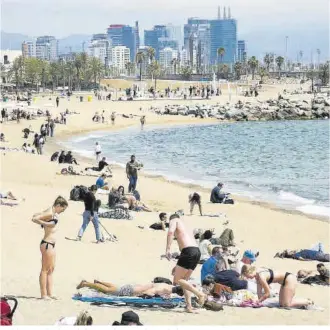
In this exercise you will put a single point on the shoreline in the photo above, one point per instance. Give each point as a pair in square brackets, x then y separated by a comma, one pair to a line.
[162, 178]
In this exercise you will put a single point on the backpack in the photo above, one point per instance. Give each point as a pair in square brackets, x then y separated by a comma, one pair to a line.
[82, 192]
[6, 311]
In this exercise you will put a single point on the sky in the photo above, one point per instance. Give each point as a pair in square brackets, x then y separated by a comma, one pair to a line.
[264, 23]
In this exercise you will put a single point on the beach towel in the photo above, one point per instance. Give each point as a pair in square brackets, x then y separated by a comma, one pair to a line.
[101, 299]
[115, 213]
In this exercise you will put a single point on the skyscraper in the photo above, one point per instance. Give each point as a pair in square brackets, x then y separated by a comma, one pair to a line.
[29, 49]
[137, 36]
[123, 35]
[151, 37]
[100, 47]
[241, 51]
[175, 33]
[223, 34]
[47, 48]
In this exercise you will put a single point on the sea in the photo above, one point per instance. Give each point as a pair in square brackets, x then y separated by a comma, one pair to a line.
[285, 163]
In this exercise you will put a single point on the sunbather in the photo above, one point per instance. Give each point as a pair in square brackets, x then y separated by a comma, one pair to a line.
[265, 277]
[322, 278]
[305, 254]
[152, 289]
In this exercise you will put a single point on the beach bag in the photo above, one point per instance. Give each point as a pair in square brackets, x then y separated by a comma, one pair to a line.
[156, 226]
[75, 193]
[228, 201]
[162, 280]
[7, 311]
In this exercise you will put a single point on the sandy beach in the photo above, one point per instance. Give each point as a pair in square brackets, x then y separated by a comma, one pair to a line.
[135, 258]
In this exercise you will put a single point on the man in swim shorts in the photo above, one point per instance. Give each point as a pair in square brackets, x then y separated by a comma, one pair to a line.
[190, 253]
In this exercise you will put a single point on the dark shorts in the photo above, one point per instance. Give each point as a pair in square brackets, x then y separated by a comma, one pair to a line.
[189, 258]
[98, 152]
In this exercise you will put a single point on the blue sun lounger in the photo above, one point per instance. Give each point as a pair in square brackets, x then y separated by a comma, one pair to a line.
[132, 301]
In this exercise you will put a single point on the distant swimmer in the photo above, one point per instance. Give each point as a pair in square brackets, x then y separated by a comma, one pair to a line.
[48, 220]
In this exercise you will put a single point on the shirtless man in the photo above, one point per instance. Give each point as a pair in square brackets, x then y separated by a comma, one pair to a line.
[190, 253]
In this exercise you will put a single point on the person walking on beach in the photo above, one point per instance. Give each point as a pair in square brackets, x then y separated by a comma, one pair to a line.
[190, 253]
[143, 121]
[48, 220]
[57, 101]
[98, 151]
[90, 214]
[131, 170]
[113, 117]
[52, 127]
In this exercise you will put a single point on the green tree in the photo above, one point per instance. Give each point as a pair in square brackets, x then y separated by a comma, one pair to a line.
[129, 66]
[78, 63]
[279, 62]
[139, 58]
[324, 73]
[268, 60]
[253, 64]
[44, 75]
[70, 73]
[174, 62]
[96, 68]
[238, 70]
[54, 73]
[220, 54]
[151, 54]
[186, 72]
[33, 71]
[263, 73]
[16, 72]
[156, 71]
[224, 70]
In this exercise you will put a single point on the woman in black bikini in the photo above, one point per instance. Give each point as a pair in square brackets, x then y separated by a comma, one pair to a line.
[265, 277]
[48, 221]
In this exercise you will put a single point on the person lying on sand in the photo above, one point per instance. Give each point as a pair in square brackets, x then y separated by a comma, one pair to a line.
[265, 277]
[152, 289]
[322, 278]
[162, 224]
[102, 164]
[303, 255]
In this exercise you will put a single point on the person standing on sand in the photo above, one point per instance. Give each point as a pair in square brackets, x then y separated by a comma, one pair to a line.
[143, 121]
[98, 151]
[113, 117]
[57, 101]
[90, 214]
[190, 253]
[48, 220]
[131, 171]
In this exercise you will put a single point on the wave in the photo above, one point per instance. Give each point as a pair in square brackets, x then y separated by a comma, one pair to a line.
[291, 197]
[315, 210]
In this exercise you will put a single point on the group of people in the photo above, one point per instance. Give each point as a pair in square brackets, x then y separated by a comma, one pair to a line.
[63, 158]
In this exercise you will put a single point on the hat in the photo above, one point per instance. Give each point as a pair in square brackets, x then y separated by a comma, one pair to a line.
[130, 317]
[250, 255]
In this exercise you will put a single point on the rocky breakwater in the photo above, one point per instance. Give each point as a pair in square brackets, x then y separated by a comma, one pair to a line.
[283, 109]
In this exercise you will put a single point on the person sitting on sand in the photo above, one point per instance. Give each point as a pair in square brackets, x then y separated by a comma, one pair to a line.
[48, 220]
[61, 158]
[69, 159]
[101, 184]
[249, 257]
[216, 263]
[102, 164]
[322, 278]
[195, 199]
[205, 246]
[265, 277]
[216, 195]
[305, 254]
[2, 137]
[128, 319]
[54, 156]
[82, 319]
[152, 289]
[162, 224]
[133, 203]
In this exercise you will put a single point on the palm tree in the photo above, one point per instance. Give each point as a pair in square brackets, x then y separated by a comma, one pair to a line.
[253, 64]
[279, 62]
[262, 73]
[33, 71]
[78, 65]
[220, 54]
[70, 68]
[238, 70]
[156, 71]
[174, 62]
[151, 54]
[324, 73]
[139, 58]
[96, 68]
[268, 60]
[225, 71]
[186, 72]
[129, 66]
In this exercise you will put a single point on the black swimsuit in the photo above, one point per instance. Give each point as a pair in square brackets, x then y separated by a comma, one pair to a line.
[271, 278]
[49, 243]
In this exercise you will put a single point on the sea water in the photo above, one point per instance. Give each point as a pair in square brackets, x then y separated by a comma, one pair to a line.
[283, 162]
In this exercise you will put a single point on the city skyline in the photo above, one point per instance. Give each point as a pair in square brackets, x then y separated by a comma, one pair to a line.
[276, 19]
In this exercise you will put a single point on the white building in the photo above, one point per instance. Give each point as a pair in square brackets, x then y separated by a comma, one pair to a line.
[47, 48]
[101, 49]
[166, 56]
[29, 49]
[120, 55]
[184, 57]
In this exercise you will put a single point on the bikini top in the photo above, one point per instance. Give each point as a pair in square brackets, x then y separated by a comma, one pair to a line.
[55, 221]
[271, 278]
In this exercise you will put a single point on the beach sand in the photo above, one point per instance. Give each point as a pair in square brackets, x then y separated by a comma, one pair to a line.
[135, 258]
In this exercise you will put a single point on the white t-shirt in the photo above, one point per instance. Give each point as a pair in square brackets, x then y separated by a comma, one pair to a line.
[69, 320]
[98, 148]
[203, 245]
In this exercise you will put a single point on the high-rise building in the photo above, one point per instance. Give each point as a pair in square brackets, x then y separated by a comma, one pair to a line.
[29, 49]
[137, 36]
[241, 51]
[146, 60]
[151, 38]
[120, 56]
[175, 33]
[123, 35]
[166, 56]
[47, 48]
[100, 47]
[223, 34]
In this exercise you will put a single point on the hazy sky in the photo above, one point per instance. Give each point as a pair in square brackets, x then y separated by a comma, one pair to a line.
[306, 22]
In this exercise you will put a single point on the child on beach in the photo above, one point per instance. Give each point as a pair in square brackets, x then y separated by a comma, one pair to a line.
[48, 220]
